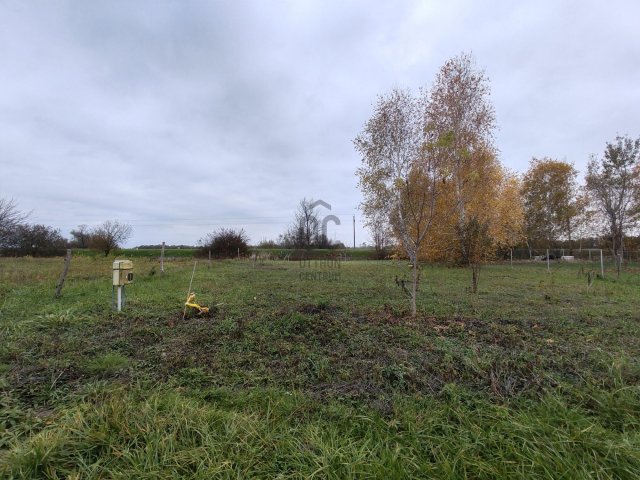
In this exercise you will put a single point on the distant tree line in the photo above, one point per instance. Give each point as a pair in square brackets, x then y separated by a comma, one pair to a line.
[604, 210]
[35, 240]
[305, 232]
[171, 247]
[18, 237]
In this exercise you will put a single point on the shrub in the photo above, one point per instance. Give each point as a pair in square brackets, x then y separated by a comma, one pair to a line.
[225, 243]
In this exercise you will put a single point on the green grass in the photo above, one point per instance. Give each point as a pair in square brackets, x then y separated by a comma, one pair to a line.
[318, 376]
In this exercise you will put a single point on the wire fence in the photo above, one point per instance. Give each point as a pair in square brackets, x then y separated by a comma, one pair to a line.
[565, 254]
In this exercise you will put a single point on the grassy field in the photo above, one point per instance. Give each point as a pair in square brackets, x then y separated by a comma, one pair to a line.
[317, 371]
[148, 253]
[275, 253]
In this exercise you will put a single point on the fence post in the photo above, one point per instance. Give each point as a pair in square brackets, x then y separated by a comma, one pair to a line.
[63, 275]
[548, 264]
[601, 264]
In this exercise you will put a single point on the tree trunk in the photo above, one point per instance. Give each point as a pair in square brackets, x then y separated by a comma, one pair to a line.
[475, 277]
[414, 288]
[617, 247]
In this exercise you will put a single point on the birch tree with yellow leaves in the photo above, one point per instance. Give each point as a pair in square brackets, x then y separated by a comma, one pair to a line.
[400, 176]
[429, 165]
[481, 209]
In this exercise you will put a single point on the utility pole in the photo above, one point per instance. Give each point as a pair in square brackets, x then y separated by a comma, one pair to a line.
[354, 231]
[162, 259]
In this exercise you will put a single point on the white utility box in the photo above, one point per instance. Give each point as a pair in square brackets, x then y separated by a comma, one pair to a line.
[122, 272]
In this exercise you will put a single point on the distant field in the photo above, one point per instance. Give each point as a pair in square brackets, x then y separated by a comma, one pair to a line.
[142, 253]
[315, 370]
[351, 253]
[355, 254]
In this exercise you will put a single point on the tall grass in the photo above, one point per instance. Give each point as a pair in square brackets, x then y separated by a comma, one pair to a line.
[158, 433]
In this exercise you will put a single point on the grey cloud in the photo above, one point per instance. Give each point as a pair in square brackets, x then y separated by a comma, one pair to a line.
[193, 113]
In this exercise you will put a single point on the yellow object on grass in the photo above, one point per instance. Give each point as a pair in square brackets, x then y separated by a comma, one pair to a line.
[191, 303]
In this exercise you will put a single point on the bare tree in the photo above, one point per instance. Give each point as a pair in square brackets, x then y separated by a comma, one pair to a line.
[305, 230]
[400, 172]
[81, 236]
[588, 221]
[10, 219]
[613, 183]
[307, 223]
[380, 229]
[110, 235]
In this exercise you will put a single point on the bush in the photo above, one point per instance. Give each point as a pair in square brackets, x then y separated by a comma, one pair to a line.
[34, 240]
[109, 236]
[225, 243]
[268, 244]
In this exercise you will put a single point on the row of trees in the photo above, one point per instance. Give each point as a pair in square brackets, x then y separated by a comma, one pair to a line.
[431, 178]
[607, 205]
[17, 236]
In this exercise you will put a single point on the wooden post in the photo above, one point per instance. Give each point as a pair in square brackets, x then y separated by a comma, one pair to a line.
[601, 264]
[511, 256]
[209, 259]
[162, 259]
[63, 275]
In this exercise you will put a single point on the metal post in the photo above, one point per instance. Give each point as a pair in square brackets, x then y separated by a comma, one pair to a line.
[119, 298]
[601, 264]
[548, 264]
[162, 259]
[354, 231]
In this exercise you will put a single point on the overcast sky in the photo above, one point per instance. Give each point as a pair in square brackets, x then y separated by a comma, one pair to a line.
[180, 116]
